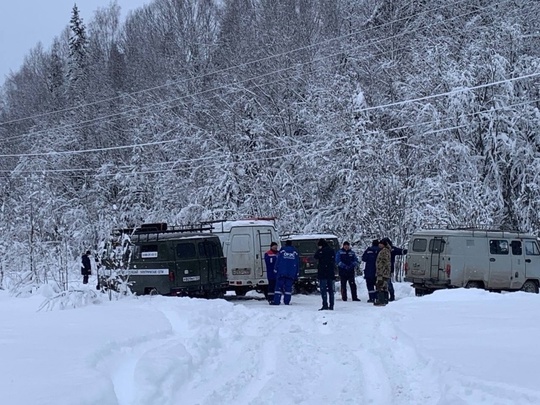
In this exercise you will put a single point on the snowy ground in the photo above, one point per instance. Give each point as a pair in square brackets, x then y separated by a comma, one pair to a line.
[453, 347]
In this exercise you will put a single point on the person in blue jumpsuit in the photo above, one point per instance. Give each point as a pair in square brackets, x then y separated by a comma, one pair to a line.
[347, 261]
[287, 265]
[370, 271]
[270, 258]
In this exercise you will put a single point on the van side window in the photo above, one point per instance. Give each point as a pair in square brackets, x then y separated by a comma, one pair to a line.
[531, 248]
[419, 245]
[516, 247]
[149, 251]
[186, 250]
[436, 245]
[498, 247]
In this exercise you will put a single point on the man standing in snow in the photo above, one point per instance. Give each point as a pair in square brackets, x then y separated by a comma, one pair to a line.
[325, 273]
[394, 251]
[86, 268]
[370, 271]
[270, 258]
[287, 265]
[347, 261]
[383, 272]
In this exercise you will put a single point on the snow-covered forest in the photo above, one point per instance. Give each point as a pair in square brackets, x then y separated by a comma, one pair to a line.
[358, 117]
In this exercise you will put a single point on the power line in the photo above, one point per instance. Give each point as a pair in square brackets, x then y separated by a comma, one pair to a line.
[265, 151]
[165, 102]
[328, 41]
[70, 152]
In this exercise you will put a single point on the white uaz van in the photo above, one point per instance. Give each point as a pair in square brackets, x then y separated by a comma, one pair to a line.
[473, 258]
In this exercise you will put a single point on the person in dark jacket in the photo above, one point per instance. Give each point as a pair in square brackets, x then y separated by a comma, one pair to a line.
[370, 270]
[86, 268]
[394, 251]
[287, 265]
[347, 261]
[270, 258]
[326, 273]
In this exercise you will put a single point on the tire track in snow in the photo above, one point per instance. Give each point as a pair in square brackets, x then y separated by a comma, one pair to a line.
[249, 353]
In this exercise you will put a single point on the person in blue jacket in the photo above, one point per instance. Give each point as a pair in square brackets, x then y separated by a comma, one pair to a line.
[347, 261]
[287, 265]
[370, 270]
[270, 258]
[394, 251]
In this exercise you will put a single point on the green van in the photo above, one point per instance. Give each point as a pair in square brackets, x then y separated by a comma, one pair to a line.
[178, 261]
[306, 245]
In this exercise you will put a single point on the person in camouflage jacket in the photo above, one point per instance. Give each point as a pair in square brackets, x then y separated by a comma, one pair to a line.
[384, 269]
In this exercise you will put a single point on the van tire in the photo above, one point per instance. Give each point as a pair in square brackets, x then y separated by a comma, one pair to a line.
[530, 286]
[475, 284]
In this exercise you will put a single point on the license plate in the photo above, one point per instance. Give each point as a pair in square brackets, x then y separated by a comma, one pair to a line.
[241, 272]
[310, 271]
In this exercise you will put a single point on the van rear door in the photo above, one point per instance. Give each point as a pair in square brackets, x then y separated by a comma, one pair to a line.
[209, 254]
[417, 259]
[263, 237]
[188, 271]
[424, 259]
[239, 252]
[436, 249]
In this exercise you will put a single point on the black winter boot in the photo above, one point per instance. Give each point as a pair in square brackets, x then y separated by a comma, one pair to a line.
[382, 299]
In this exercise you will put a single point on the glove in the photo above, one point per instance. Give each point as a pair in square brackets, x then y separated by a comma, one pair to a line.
[405, 251]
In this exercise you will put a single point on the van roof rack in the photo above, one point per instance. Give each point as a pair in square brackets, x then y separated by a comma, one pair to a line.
[161, 228]
[474, 227]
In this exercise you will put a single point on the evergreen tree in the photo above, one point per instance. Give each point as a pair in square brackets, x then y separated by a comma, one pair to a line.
[78, 43]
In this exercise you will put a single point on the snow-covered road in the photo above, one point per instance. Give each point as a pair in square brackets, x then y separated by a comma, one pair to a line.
[454, 347]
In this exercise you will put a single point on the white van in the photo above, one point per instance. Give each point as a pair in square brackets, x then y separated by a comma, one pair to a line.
[244, 244]
[473, 258]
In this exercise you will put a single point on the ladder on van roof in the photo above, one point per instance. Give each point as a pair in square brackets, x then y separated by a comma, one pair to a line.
[160, 228]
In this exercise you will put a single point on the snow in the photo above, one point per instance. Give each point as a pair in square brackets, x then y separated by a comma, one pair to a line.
[452, 347]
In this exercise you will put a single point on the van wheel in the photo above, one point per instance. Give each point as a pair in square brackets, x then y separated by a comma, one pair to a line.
[150, 291]
[530, 287]
[474, 284]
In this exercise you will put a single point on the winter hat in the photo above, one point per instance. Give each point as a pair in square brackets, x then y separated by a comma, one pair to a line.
[273, 244]
[288, 243]
[375, 242]
[321, 242]
[346, 243]
[386, 241]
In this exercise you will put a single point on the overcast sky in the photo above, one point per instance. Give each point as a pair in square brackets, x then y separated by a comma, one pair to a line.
[24, 23]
